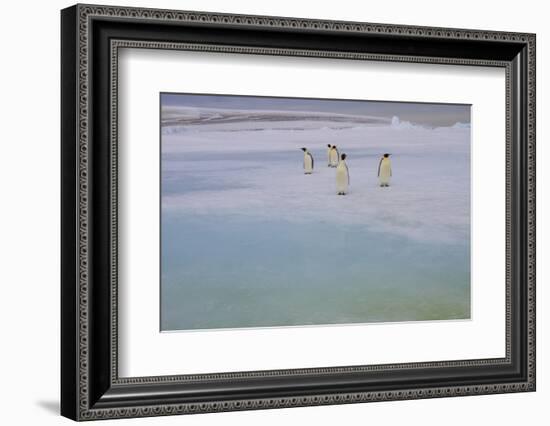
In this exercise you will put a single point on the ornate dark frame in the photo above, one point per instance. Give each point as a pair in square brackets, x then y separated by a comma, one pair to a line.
[91, 37]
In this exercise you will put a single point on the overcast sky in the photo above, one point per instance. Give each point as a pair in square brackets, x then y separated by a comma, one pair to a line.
[427, 114]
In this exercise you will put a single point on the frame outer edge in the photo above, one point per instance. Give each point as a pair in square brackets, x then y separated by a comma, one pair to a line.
[82, 103]
[531, 197]
[68, 152]
[83, 12]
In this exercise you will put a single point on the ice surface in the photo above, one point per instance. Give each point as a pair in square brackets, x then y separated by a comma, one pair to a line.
[253, 168]
[249, 240]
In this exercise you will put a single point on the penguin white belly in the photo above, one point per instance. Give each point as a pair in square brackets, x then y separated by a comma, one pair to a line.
[342, 178]
[333, 158]
[308, 164]
[329, 160]
[385, 172]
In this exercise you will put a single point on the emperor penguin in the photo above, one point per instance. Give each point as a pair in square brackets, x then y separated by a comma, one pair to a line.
[308, 162]
[328, 154]
[342, 176]
[384, 170]
[334, 156]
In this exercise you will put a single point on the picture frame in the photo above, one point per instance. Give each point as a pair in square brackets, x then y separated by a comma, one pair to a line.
[91, 37]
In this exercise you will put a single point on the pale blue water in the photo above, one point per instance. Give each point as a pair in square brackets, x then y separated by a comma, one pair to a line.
[230, 271]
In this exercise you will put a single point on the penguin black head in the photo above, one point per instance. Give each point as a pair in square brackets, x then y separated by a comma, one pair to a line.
[304, 149]
[334, 146]
[386, 155]
[329, 145]
[343, 156]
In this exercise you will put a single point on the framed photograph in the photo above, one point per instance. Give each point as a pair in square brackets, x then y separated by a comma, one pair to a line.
[263, 212]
